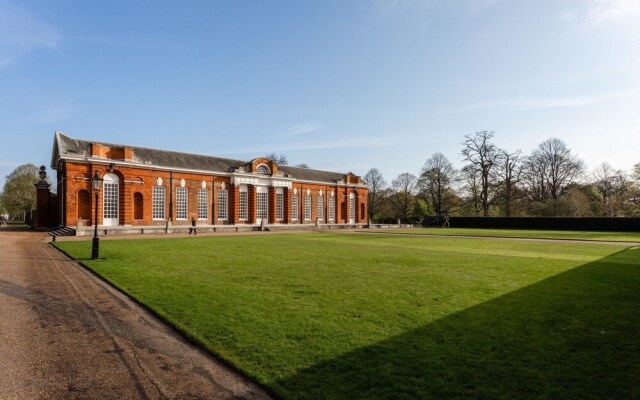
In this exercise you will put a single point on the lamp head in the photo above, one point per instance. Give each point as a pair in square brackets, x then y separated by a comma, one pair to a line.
[96, 181]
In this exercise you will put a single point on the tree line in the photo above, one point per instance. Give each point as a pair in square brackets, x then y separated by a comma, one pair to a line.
[550, 181]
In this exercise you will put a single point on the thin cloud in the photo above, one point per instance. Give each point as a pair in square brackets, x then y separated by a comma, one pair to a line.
[604, 11]
[22, 32]
[381, 141]
[528, 103]
[305, 127]
[51, 115]
[399, 5]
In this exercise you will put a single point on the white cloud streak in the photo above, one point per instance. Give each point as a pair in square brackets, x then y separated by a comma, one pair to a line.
[529, 103]
[605, 11]
[599, 13]
[381, 141]
[51, 115]
[22, 32]
[305, 127]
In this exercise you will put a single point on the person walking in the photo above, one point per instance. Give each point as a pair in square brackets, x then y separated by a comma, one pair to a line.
[193, 227]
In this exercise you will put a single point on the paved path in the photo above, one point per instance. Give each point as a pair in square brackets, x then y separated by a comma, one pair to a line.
[66, 335]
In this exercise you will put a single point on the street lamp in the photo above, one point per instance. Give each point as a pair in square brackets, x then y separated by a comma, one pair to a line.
[96, 183]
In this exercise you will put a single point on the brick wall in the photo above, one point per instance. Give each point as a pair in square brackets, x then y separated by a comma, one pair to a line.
[75, 177]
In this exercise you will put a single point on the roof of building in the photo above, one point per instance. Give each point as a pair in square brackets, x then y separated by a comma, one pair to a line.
[65, 146]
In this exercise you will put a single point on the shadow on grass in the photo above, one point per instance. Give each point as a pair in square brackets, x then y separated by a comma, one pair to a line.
[571, 336]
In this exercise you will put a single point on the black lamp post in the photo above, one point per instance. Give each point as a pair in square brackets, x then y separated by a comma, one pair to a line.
[96, 183]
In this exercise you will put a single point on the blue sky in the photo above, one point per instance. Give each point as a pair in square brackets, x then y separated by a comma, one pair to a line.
[339, 85]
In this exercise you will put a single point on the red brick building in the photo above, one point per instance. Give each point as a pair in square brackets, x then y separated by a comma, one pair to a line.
[148, 190]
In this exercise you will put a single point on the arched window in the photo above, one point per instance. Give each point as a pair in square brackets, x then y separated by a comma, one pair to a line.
[84, 205]
[263, 169]
[138, 206]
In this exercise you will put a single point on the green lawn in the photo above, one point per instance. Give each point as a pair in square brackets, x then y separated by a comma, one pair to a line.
[343, 316]
[519, 233]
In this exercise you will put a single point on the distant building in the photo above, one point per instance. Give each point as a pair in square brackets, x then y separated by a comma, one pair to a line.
[158, 189]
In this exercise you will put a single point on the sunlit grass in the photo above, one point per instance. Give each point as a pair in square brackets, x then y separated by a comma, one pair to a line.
[377, 316]
[520, 233]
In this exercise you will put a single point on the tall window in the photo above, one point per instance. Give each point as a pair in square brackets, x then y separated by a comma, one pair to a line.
[279, 206]
[182, 196]
[158, 203]
[319, 206]
[332, 208]
[352, 209]
[244, 208]
[262, 209]
[307, 207]
[294, 207]
[110, 200]
[203, 203]
[222, 204]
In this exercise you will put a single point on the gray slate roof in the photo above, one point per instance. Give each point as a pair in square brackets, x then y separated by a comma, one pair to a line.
[67, 146]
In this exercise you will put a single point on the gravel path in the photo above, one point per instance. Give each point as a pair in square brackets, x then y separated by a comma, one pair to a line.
[66, 334]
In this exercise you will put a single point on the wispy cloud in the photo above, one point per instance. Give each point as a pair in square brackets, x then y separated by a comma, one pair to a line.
[399, 5]
[22, 32]
[305, 127]
[381, 141]
[604, 12]
[533, 103]
[50, 115]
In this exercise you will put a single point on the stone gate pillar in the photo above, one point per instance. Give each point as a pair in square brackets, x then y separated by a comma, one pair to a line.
[42, 200]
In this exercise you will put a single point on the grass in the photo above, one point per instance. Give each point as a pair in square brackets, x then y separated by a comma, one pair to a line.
[521, 233]
[390, 316]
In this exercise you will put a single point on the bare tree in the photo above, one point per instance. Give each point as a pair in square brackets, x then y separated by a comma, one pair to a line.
[534, 175]
[435, 181]
[278, 159]
[376, 185]
[404, 190]
[612, 185]
[471, 186]
[482, 155]
[302, 165]
[551, 169]
[509, 173]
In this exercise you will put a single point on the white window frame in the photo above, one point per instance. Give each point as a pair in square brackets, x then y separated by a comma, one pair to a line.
[263, 169]
[294, 207]
[307, 207]
[203, 204]
[182, 203]
[159, 203]
[351, 213]
[223, 204]
[279, 204]
[243, 203]
[262, 203]
[319, 207]
[332, 208]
